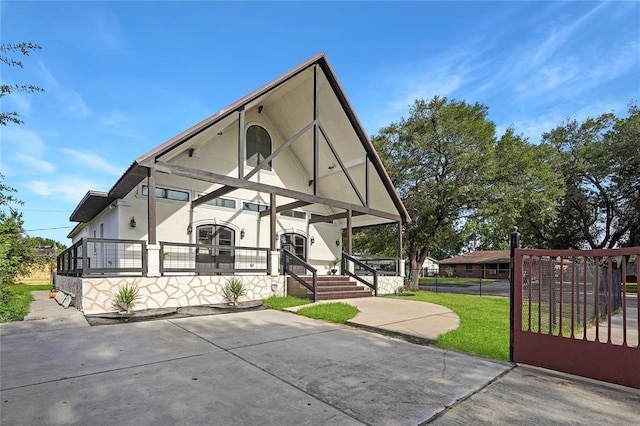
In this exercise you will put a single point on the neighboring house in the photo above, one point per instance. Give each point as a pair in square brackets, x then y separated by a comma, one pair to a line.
[429, 267]
[478, 264]
[265, 189]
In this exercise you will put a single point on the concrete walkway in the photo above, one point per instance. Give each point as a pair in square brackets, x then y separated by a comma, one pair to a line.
[274, 368]
[416, 321]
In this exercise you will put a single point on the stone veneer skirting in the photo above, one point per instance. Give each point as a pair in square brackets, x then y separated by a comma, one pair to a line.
[95, 295]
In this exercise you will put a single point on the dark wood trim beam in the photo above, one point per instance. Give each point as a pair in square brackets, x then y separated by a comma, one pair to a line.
[242, 143]
[349, 233]
[399, 248]
[210, 196]
[317, 218]
[263, 187]
[151, 205]
[316, 114]
[344, 169]
[285, 207]
[279, 150]
[366, 179]
[272, 223]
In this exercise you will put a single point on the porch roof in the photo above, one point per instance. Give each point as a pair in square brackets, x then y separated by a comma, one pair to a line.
[333, 181]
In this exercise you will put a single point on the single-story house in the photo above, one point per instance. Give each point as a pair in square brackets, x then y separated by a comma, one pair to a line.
[429, 267]
[491, 264]
[267, 190]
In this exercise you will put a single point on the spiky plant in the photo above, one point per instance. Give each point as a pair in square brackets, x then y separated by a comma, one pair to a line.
[234, 290]
[125, 297]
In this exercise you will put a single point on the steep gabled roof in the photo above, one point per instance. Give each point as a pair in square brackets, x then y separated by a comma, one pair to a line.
[479, 257]
[137, 171]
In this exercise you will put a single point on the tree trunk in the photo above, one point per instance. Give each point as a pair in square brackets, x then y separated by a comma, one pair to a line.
[414, 272]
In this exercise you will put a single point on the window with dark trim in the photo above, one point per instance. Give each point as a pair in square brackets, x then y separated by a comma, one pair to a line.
[254, 207]
[468, 268]
[294, 213]
[168, 194]
[258, 146]
[221, 202]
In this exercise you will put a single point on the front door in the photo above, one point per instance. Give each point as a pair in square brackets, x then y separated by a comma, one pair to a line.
[295, 244]
[215, 251]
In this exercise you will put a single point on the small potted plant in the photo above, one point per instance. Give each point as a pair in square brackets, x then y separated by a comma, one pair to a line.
[334, 266]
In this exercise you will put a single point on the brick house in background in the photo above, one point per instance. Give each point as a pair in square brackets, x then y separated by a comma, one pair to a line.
[489, 264]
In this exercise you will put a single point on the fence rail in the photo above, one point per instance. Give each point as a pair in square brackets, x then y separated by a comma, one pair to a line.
[360, 268]
[297, 268]
[102, 256]
[212, 259]
[382, 265]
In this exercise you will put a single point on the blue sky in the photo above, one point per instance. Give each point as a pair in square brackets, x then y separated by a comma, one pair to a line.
[123, 77]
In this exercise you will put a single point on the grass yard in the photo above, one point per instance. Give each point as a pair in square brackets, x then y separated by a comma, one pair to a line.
[15, 300]
[484, 323]
[337, 312]
[333, 312]
[454, 280]
[281, 302]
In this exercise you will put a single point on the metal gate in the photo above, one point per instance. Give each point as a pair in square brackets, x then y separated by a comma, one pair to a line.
[577, 311]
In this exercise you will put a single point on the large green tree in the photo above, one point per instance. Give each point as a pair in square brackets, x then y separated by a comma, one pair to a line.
[523, 190]
[6, 52]
[440, 159]
[598, 159]
[16, 254]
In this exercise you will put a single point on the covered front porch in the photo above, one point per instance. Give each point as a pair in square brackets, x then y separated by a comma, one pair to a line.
[170, 274]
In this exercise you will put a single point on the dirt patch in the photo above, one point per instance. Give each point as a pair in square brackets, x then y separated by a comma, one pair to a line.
[171, 313]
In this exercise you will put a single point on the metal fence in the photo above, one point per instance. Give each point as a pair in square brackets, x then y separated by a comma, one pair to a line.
[382, 265]
[212, 259]
[101, 256]
[566, 295]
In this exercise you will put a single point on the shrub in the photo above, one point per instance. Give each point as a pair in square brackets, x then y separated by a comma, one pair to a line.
[14, 306]
[234, 290]
[125, 297]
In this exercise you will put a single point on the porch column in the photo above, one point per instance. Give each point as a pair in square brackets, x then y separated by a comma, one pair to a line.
[349, 234]
[275, 255]
[399, 251]
[151, 205]
[242, 144]
[153, 249]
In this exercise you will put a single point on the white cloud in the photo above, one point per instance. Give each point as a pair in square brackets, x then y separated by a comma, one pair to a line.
[69, 188]
[93, 161]
[21, 139]
[37, 164]
[69, 99]
[114, 118]
[21, 102]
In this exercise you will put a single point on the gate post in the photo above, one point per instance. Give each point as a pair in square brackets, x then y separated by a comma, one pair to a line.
[514, 242]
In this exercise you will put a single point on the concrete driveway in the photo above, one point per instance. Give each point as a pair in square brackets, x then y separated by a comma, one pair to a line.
[273, 368]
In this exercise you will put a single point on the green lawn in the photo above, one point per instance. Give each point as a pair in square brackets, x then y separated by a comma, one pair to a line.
[484, 323]
[454, 280]
[281, 302]
[15, 300]
[333, 312]
[337, 312]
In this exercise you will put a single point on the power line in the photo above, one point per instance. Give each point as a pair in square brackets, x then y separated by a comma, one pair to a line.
[46, 211]
[47, 229]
